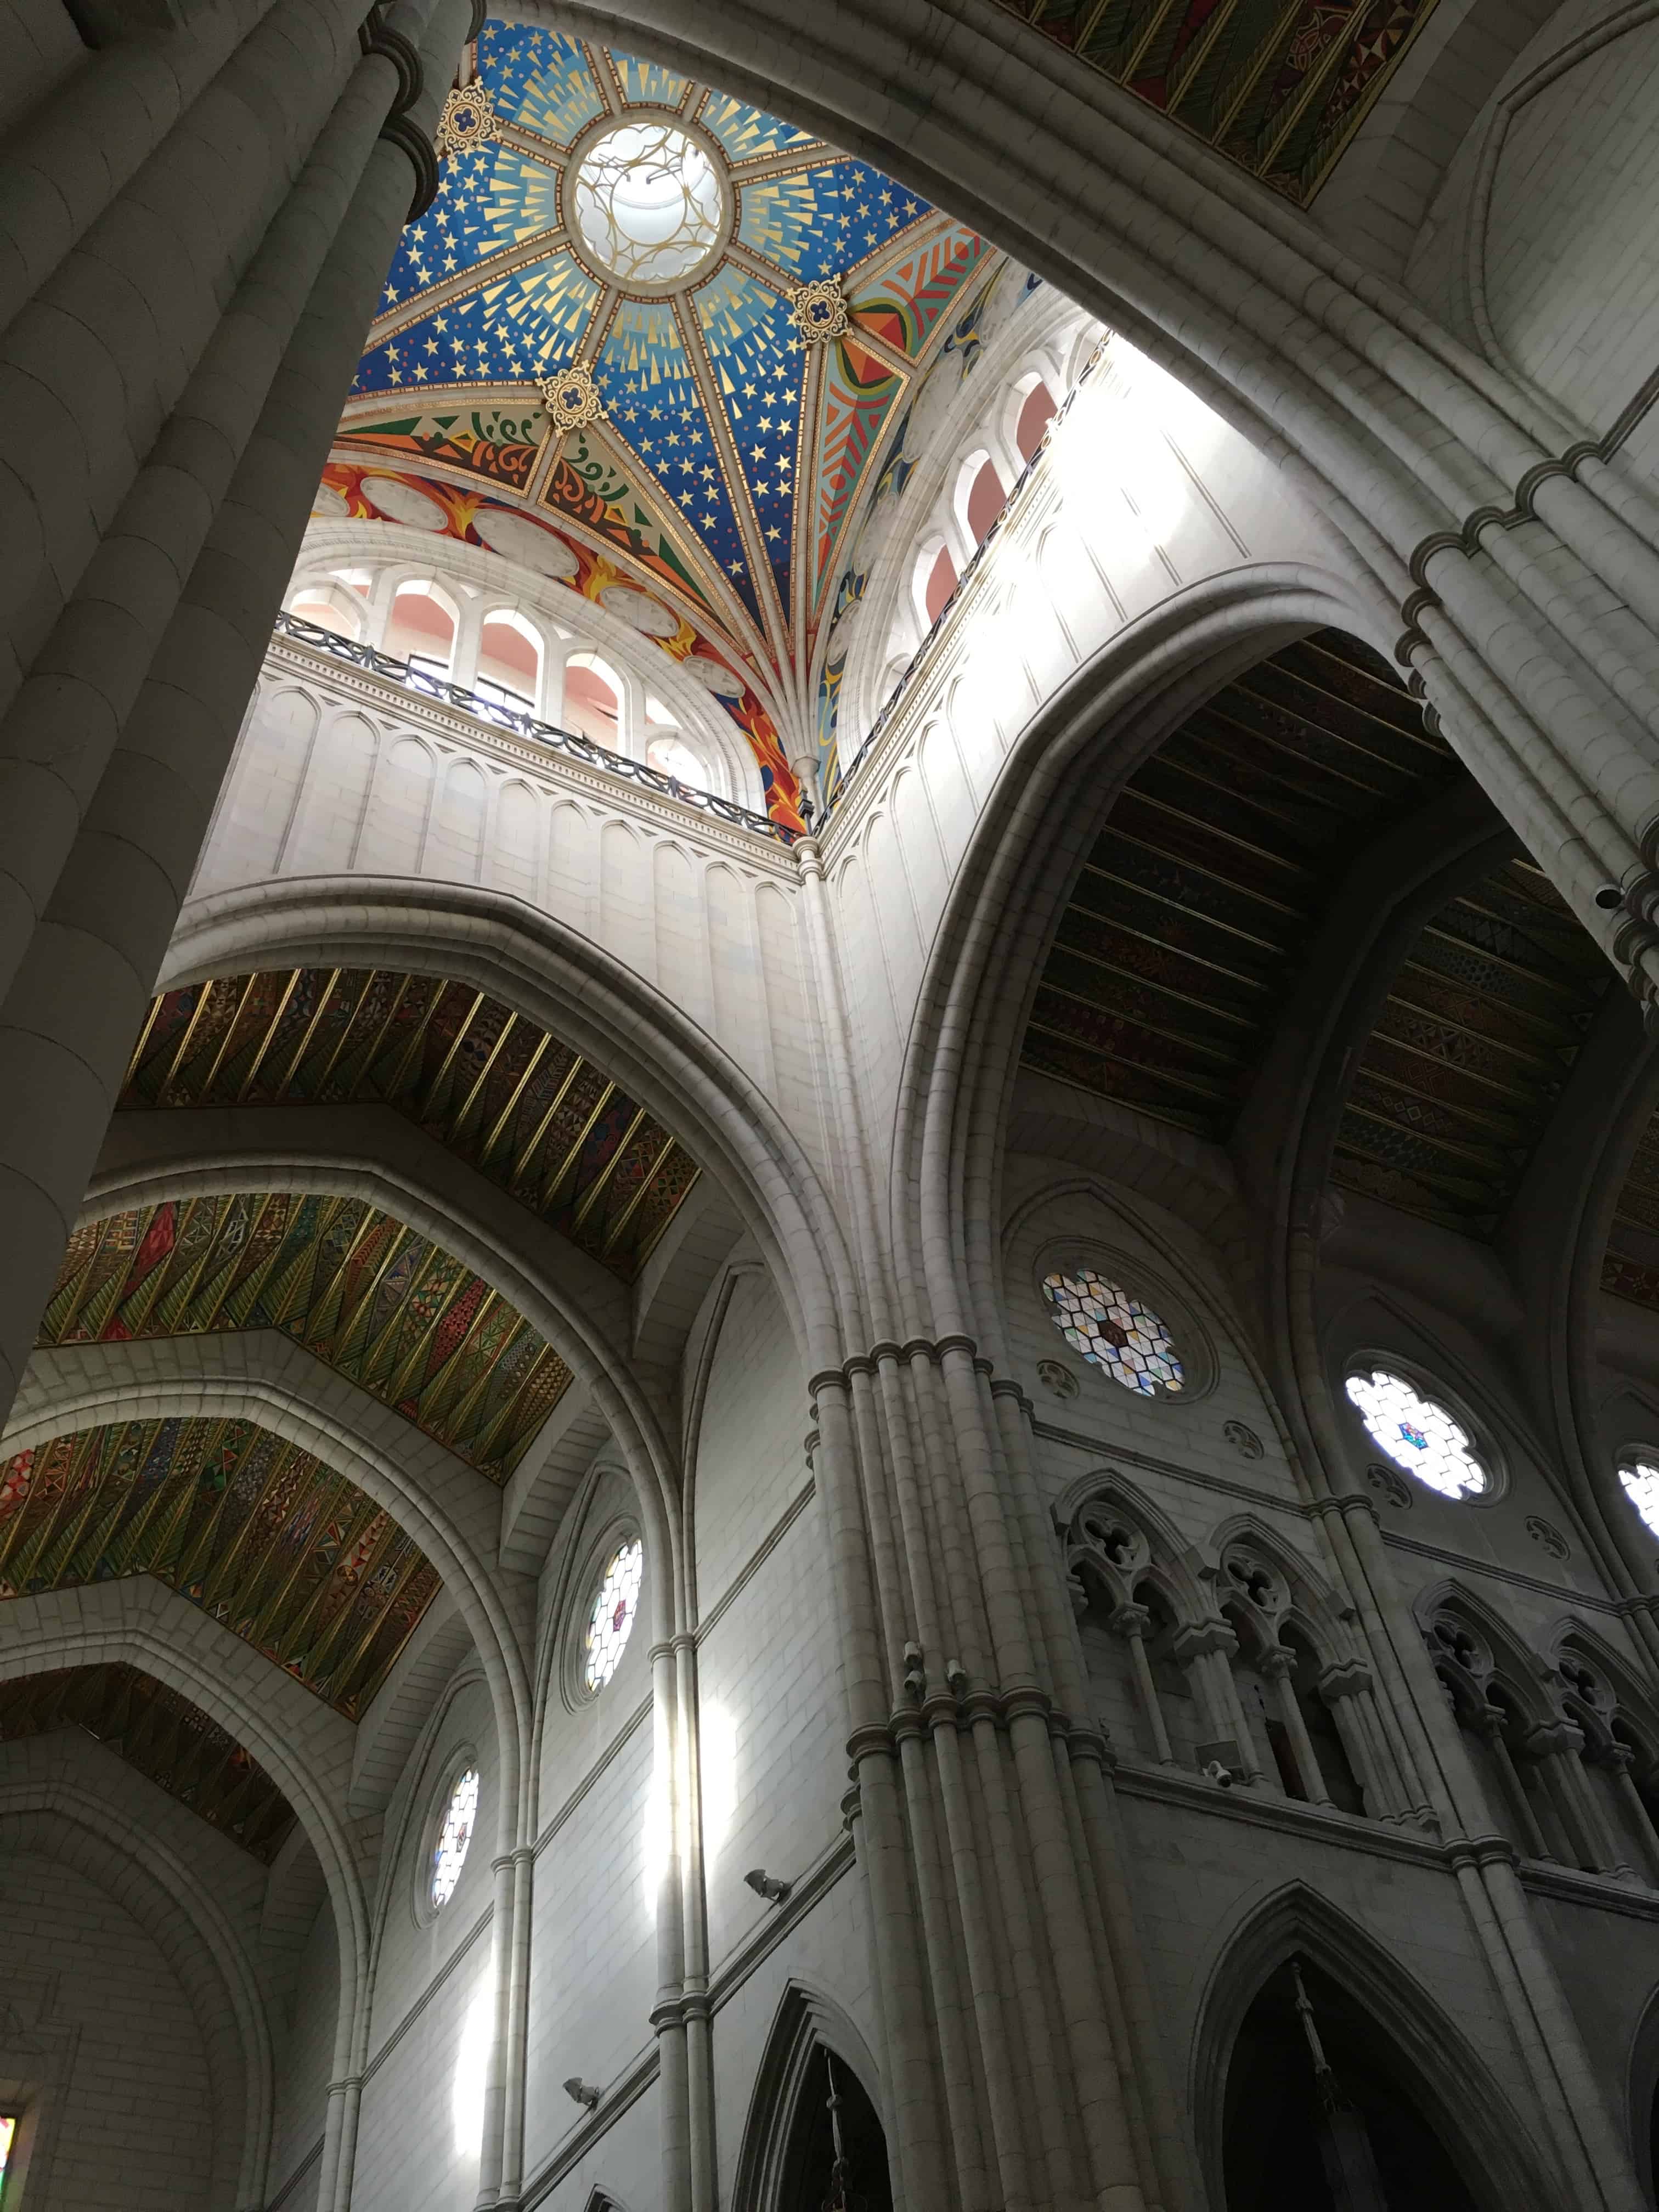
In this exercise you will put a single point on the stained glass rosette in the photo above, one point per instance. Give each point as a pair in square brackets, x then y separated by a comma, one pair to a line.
[449, 1852]
[1114, 1332]
[1641, 1484]
[611, 1621]
[1417, 1434]
[7, 2136]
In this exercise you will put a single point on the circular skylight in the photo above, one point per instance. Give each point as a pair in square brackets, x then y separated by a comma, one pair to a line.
[1417, 1433]
[649, 204]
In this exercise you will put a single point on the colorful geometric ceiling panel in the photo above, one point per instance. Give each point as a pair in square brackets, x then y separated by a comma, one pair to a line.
[402, 1318]
[1187, 925]
[516, 1103]
[1483, 1021]
[632, 279]
[164, 1736]
[288, 1554]
[1280, 90]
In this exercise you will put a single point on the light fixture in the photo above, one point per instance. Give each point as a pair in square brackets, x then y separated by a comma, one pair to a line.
[584, 2091]
[767, 1885]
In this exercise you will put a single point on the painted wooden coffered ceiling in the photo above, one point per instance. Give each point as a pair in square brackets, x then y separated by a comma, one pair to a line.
[395, 1313]
[164, 1736]
[514, 1102]
[1194, 911]
[1278, 89]
[1459, 1076]
[646, 341]
[1189, 923]
[276, 1547]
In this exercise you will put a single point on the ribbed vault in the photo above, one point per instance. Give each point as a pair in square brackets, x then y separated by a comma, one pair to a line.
[163, 1736]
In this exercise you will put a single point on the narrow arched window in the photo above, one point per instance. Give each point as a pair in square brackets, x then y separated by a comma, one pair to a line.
[941, 582]
[422, 628]
[510, 660]
[1036, 413]
[985, 501]
[593, 699]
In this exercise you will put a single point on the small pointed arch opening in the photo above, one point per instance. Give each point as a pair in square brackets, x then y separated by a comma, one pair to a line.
[814, 2140]
[1322, 2114]
[422, 626]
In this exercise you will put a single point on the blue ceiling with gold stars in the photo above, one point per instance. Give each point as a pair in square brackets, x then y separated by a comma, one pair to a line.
[726, 431]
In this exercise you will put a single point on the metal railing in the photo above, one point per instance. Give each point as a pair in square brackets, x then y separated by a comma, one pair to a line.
[413, 677]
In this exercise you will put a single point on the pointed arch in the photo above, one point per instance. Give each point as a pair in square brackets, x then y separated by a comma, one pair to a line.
[1516, 1663]
[807, 2021]
[1478, 2125]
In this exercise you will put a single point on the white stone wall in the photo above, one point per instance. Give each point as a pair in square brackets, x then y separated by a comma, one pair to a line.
[135, 2130]
[1142, 493]
[1540, 244]
[422, 2099]
[304, 2068]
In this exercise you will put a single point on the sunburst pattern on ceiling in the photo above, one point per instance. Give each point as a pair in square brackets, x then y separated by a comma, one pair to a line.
[164, 1736]
[283, 1550]
[1278, 89]
[737, 408]
[511, 1101]
[1184, 930]
[396, 1313]
[1483, 1021]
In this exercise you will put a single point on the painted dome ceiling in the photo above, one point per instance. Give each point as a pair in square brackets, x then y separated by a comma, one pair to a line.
[646, 341]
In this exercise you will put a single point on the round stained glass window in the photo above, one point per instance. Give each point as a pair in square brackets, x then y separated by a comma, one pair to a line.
[449, 1852]
[1116, 1332]
[1641, 1484]
[649, 204]
[1417, 1434]
[611, 1621]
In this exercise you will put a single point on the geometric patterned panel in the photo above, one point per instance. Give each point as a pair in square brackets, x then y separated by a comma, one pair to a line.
[401, 1317]
[519, 1106]
[1484, 1020]
[1189, 919]
[1280, 90]
[283, 1550]
[164, 1736]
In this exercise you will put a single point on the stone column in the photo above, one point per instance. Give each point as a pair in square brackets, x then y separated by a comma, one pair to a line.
[1130, 1622]
[111, 854]
[1618, 1758]
[1279, 1666]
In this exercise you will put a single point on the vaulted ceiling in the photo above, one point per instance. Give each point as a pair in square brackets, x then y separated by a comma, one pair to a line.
[1198, 906]
[273, 1544]
[1279, 91]
[511, 1101]
[161, 1734]
[647, 341]
[394, 1312]
[1458, 1078]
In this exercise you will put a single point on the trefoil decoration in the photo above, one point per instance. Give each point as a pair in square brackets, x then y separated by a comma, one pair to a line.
[819, 311]
[468, 120]
[572, 397]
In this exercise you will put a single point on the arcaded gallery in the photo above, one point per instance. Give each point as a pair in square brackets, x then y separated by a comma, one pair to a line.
[829, 1161]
